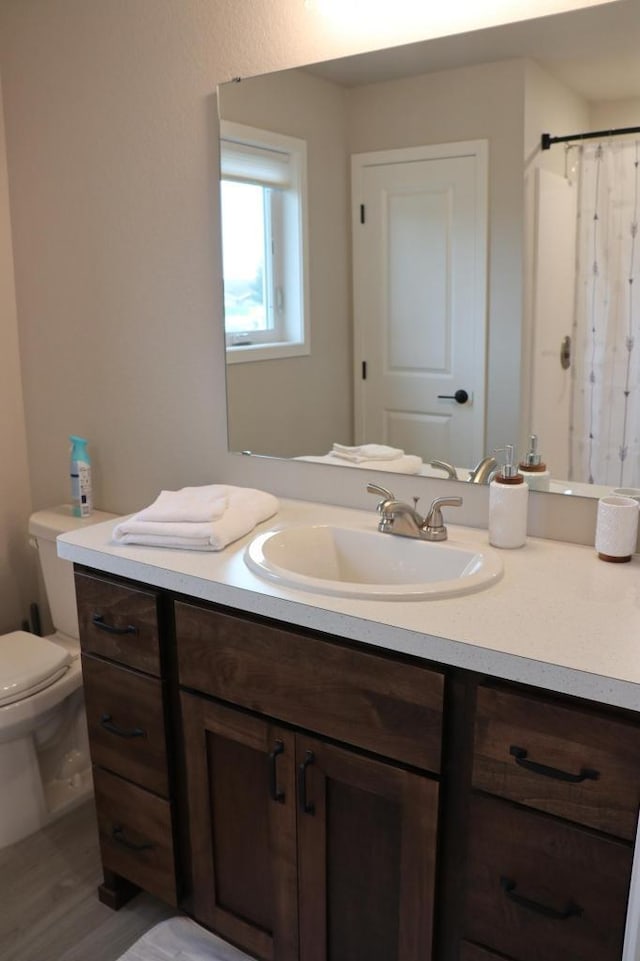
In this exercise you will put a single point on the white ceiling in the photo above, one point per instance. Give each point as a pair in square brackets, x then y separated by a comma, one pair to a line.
[595, 51]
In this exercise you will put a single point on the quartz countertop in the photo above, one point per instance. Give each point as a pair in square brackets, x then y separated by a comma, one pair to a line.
[559, 618]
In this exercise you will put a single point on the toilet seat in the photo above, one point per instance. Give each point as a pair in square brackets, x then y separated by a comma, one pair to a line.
[29, 664]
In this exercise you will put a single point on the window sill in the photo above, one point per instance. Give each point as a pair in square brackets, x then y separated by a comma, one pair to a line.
[242, 354]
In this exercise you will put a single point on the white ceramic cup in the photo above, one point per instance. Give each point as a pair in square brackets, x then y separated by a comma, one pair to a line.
[617, 528]
[633, 492]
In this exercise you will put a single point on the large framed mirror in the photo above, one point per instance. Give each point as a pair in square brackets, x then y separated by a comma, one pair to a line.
[487, 262]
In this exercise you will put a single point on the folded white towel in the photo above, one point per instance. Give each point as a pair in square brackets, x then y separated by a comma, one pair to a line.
[244, 507]
[407, 464]
[192, 504]
[366, 452]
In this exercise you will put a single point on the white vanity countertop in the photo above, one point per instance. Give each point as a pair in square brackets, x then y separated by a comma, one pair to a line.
[559, 619]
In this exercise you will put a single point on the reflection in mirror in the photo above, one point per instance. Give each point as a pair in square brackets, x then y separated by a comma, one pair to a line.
[476, 259]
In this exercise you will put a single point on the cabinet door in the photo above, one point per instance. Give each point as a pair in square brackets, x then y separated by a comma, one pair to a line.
[367, 842]
[242, 824]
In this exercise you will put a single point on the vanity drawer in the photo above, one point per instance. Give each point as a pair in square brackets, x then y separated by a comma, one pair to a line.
[125, 717]
[136, 835]
[118, 622]
[540, 888]
[367, 700]
[567, 761]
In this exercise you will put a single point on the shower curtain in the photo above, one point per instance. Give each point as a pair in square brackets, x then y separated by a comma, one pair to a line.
[605, 405]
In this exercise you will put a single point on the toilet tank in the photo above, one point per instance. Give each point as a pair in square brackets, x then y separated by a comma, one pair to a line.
[44, 527]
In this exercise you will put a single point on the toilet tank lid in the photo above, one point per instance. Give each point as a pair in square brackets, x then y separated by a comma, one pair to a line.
[59, 520]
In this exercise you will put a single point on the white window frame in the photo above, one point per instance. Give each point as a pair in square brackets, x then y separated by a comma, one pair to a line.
[293, 328]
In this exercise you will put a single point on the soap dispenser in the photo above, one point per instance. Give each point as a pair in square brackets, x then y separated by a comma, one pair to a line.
[508, 499]
[533, 469]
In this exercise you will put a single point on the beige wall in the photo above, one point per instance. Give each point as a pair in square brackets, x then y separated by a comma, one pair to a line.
[301, 405]
[17, 581]
[611, 114]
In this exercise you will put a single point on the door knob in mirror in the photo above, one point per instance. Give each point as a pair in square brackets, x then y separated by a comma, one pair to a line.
[460, 396]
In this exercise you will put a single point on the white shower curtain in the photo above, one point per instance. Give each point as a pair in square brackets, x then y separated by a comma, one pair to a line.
[605, 406]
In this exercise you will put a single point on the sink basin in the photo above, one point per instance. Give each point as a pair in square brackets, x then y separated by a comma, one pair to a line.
[359, 563]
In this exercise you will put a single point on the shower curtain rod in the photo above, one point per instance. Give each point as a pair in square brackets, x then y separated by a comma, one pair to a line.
[547, 140]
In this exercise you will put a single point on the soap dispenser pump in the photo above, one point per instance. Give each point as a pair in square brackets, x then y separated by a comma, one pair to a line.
[508, 499]
[533, 469]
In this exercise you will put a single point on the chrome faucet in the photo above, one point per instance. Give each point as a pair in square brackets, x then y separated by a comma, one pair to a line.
[397, 517]
[449, 469]
[482, 472]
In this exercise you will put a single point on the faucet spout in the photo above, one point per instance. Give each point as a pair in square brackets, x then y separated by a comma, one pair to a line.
[401, 518]
[449, 469]
[481, 473]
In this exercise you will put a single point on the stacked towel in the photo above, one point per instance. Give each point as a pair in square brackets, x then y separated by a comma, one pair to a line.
[366, 452]
[406, 464]
[197, 518]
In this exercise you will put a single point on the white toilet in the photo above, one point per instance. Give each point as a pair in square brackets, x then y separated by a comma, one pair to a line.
[45, 768]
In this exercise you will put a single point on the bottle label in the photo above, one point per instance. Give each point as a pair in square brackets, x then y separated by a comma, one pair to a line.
[81, 489]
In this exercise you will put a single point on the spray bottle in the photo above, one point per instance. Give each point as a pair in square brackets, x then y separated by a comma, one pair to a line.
[81, 493]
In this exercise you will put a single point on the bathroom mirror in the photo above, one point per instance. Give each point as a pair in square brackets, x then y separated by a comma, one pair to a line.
[503, 88]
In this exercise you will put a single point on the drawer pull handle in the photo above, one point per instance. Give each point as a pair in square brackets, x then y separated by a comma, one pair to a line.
[118, 835]
[306, 806]
[98, 621]
[586, 774]
[107, 723]
[274, 792]
[571, 911]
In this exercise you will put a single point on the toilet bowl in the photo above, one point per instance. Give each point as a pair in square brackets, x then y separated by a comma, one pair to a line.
[45, 769]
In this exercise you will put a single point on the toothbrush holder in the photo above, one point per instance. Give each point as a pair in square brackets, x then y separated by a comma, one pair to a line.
[616, 528]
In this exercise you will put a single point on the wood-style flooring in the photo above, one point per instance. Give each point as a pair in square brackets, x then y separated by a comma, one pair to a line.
[49, 908]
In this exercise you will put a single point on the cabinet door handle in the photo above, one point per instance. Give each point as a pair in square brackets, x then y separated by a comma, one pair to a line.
[274, 792]
[117, 833]
[306, 806]
[520, 755]
[571, 911]
[98, 621]
[108, 725]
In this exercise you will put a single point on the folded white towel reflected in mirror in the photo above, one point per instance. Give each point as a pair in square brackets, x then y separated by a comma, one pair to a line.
[407, 464]
[197, 518]
[367, 452]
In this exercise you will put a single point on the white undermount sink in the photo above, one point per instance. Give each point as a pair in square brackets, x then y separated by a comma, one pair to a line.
[361, 563]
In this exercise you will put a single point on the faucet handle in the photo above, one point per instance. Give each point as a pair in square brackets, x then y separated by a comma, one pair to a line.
[383, 492]
[434, 522]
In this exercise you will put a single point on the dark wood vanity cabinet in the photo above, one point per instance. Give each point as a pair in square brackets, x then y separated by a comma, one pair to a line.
[303, 847]
[339, 802]
[126, 704]
[552, 820]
